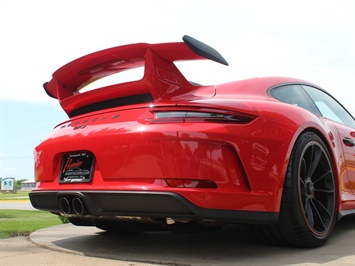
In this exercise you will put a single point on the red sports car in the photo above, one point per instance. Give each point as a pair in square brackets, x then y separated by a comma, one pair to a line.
[163, 152]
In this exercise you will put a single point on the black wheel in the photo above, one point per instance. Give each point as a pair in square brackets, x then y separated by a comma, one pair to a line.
[308, 208]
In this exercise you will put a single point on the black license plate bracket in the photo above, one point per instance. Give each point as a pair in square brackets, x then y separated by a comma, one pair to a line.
[77, 167]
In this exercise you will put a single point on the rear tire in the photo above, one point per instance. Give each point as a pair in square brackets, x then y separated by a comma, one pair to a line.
[309, 199]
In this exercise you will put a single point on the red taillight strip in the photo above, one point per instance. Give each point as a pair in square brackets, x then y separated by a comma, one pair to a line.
[200, 115]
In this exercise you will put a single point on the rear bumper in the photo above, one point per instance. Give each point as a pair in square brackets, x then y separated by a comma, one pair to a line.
[141, 156]
[142, 204]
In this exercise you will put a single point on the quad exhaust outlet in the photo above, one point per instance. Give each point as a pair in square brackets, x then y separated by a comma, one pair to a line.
[72, 205]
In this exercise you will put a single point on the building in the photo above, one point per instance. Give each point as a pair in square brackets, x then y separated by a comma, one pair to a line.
[28, 185]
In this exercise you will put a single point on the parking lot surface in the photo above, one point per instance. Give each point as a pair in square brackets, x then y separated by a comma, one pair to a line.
[72, 245]
[231, 246]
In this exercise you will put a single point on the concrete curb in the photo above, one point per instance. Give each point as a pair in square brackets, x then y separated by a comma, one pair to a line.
[47, 237]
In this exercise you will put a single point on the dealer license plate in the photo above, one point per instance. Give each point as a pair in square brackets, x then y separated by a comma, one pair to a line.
[77, 168]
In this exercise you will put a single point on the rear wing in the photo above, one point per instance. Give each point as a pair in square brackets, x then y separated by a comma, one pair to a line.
[161, 77]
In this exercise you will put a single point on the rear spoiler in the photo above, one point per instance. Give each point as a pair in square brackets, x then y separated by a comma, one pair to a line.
[160, 75]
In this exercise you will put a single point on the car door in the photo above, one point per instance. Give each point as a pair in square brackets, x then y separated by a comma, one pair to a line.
[344, 123]
[347, 136]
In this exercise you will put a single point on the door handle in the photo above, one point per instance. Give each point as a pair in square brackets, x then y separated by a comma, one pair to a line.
[348, 142]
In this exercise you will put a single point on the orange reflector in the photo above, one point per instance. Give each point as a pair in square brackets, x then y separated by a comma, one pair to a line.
[190, 183]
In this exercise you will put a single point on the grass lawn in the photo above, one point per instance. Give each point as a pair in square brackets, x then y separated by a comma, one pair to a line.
[18, 222]
[20, 195]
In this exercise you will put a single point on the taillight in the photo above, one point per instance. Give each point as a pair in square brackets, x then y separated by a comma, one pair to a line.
[168, 116]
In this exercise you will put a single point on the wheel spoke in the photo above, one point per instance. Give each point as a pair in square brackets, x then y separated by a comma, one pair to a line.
[328, 173]
[303, 170]
[319, 217]
[309, 213]
[316, 155]
[321, 209]
[325, 190]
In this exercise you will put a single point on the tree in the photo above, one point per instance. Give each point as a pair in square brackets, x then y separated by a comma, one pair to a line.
[17, 184]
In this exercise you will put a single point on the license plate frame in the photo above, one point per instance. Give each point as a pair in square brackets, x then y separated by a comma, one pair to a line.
[77, 167]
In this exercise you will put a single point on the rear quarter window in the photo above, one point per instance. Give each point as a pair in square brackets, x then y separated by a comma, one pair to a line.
[295, 95]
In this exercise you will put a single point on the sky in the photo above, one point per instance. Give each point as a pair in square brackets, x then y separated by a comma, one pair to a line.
[309, 39]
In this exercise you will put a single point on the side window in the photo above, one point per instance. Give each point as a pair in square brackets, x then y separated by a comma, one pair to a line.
[295, 95]
[329, 107]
